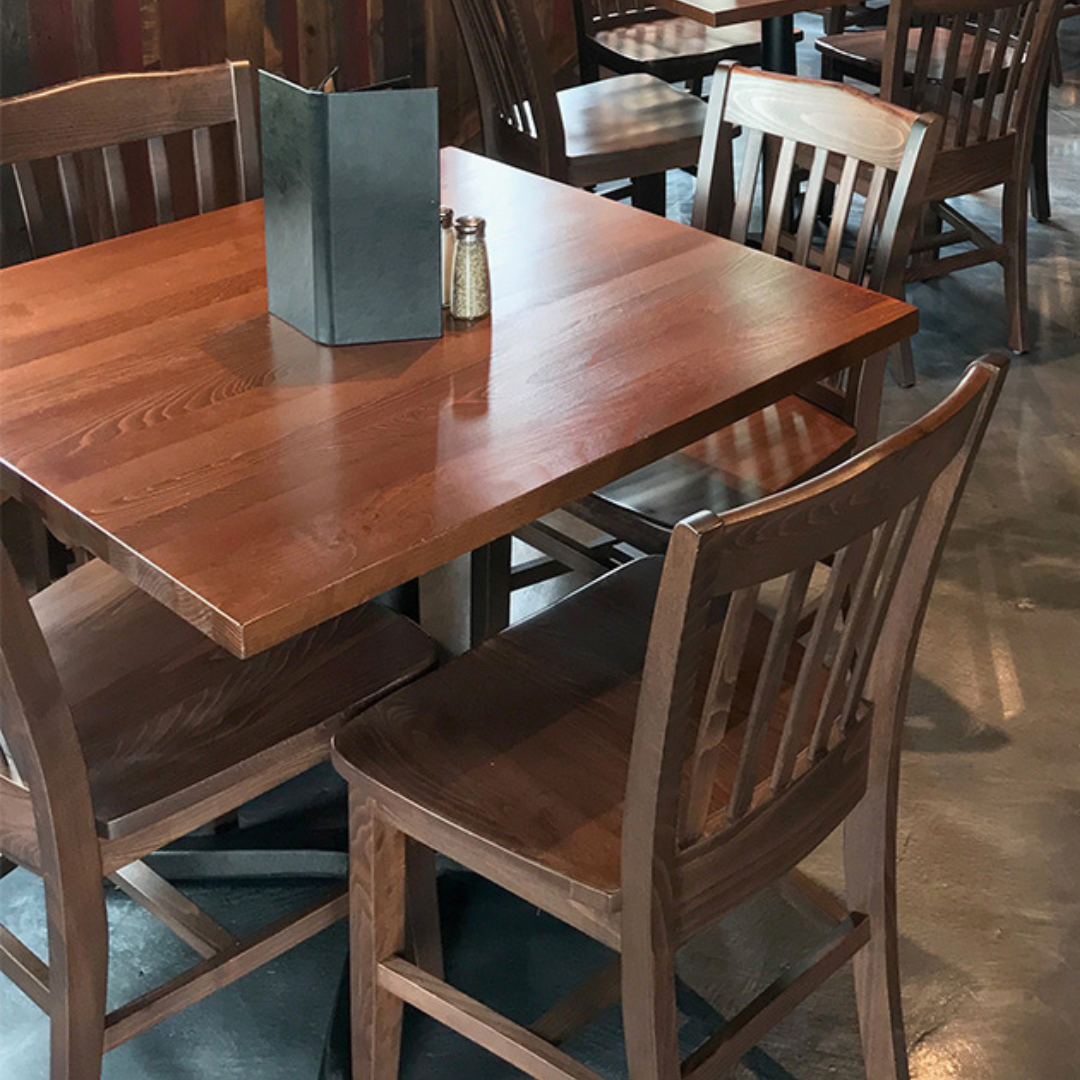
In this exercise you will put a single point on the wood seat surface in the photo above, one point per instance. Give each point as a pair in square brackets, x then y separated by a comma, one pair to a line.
[766, 452]
[205, 722]
[865, 49]
[629, 125]
[523, 744]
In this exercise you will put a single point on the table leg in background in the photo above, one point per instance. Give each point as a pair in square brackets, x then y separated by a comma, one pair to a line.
[778, 44]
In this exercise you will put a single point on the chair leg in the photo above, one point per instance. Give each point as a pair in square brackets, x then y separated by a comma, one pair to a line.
[422, 923]
[650, 1017]
[1014, 229]
[1040, 172]
[377, 932]
[870, 869]
[650, 193]
[902, 364]
[78, 973]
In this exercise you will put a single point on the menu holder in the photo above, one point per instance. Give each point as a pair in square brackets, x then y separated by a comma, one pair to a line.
[351, 189]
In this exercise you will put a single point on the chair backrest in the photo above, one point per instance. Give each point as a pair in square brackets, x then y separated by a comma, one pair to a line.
[594, 15]
[800, 726]
[519, 112]
[83, 150]
[981, 63]
[840, 134]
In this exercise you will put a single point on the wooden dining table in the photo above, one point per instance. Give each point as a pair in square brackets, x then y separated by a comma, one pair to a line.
[777, 22]
[258, 483]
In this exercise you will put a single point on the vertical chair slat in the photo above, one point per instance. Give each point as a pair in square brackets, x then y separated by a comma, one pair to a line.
[26, 185]
[1005, 26]
[973, 77]
[958, 35]
[841, 208]
[927, 34]
[202, 159]
[744, 196]
[836, 688]
[716, 712]
[821, 635]
[811, 202]
[73, 201]
[117, 188]
[1012, 80]
[779, 205]
[873, 208]
[894, 561]
[159, 172]
[768, 689]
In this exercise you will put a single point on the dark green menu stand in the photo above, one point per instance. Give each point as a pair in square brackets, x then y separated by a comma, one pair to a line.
[351, 185]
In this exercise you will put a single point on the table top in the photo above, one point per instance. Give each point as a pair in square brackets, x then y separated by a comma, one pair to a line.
[258, 483]
[731, 12]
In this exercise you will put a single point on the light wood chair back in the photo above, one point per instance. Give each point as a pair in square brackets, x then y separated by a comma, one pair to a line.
[519, 111]
[74, 147]
[839, 132]
[978, 62]
[880, 522]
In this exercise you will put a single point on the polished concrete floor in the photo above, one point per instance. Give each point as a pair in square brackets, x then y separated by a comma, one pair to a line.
[990, 814]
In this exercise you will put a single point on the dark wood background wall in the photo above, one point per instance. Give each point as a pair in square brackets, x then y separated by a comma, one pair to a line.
[43, 42]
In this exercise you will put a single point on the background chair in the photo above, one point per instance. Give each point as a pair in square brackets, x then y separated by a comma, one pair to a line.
[125, 728]
[633, 126]
[867, 241]
[72, 145]
[648, 754]
[981, 64]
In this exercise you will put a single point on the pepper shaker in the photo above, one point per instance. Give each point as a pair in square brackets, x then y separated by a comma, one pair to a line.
[446, 226]
[470, 296]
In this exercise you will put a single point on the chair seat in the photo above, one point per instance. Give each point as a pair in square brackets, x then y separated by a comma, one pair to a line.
[631, 125]
[523, 744]
[167, 718]
[766, 452]
[864, 51]
[679, 40]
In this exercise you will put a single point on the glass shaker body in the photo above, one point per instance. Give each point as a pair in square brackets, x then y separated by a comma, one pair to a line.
[446, 228]
[470, 296]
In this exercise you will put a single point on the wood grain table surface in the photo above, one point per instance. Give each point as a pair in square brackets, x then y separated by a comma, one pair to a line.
[258, 483]
[730, 12]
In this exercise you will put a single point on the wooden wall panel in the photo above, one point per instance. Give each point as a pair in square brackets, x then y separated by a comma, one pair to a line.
[43, 42]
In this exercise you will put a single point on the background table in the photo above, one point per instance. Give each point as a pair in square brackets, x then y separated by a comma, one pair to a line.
[258, 483]
[777, 22]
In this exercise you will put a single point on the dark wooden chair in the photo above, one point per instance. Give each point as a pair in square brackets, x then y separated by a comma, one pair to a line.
[639, 37]
[634, 126]
[649, 753]
[123, 729]
[982, 64]
[866, 241]
[188, 137]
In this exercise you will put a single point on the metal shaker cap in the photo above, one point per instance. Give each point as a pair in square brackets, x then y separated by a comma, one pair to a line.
[446, 216]
[470, 226]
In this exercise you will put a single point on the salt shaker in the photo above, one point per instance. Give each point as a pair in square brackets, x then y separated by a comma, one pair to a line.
[470, 295]
[446, 225]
